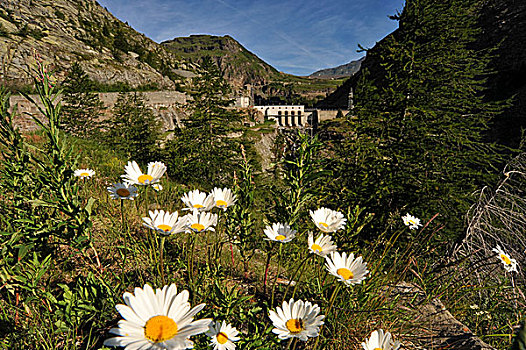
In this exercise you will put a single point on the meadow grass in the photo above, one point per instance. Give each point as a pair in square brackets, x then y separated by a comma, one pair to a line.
[63, 294]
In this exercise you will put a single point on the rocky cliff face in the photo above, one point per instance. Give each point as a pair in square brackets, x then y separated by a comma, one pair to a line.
[63, 32]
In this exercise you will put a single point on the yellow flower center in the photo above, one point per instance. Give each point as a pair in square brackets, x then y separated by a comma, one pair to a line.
[345, 273]
[160, 328]
[222, 338]
[123, 192]
[164, 227]
[143, 178]
[316, 247]
[324, 224]
[84, 174]
[221, 203]
[280, 237]
[198, 206]
[378, 349]
[506, 260]
[198, 227]
[294, 325]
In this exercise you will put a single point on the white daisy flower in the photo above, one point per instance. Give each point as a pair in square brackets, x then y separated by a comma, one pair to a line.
[279, 232]
[411, 221]
[198, 200]
[156, 169]
[348, 269]
[84, 173]
[328, 220]
[200, 221]
[135, 176]
[510, 264]
[322, 246]
[122, 191]
[296, 319]
[223, 198]
[380, 340]
[223, 336]
[159, 320]
[157, 187]
[165, 223]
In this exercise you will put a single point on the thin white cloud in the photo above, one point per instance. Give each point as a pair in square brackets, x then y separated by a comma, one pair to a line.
[294, 36]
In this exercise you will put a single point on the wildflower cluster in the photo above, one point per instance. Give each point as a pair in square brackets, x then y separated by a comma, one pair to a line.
[301, 319]
[164, 319]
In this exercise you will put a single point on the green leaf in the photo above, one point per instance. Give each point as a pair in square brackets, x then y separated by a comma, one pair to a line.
[23, 250]
[89, 205]
[41, 203]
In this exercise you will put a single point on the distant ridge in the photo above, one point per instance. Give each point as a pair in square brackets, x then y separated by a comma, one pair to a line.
[345, 70]
[247, 73]
[238, 65]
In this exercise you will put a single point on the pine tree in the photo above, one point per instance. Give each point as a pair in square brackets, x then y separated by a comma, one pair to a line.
[133, 128]
[418, 144]
[81, 106]
[206, 148]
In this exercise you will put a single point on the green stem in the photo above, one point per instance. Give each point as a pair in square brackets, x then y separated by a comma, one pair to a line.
[277, 275]
[331, 303]
[190, 255]
[147, 197]
[161, 259]
[122, 214]
[126, 238]
[295, 343]
[301, 266]
[266, 271]
[217, 243]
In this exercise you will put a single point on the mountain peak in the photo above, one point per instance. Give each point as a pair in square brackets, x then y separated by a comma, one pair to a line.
[239, 65]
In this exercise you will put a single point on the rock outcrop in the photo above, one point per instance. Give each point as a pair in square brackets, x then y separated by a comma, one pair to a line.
[433, 326]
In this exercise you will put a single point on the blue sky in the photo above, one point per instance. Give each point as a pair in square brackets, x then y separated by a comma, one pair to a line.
[294, 36]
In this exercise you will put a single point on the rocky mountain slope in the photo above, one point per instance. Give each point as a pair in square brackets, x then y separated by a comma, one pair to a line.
[238, 65]
[344, 70]
[63, 32]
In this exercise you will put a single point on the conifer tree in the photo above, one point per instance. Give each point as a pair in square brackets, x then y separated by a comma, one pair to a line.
[81, 106]
[133, 128]
[418, 144]
[205, 149]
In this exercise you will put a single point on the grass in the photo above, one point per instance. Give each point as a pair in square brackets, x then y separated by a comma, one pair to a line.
[60, 290]
[128, 254]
